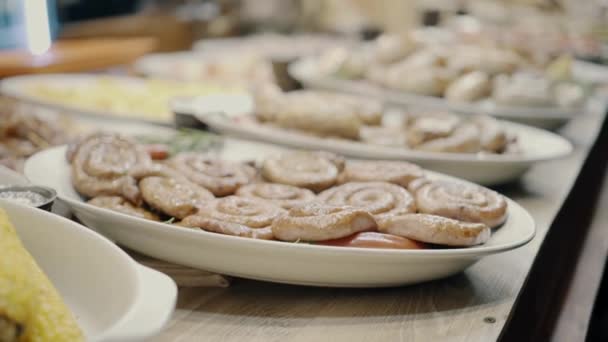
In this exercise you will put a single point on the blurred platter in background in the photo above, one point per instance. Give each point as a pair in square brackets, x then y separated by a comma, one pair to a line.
[106, 96]
[533, 145]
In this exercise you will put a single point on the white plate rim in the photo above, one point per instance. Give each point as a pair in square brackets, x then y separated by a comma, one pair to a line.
[148, 65]
[474, 251]
[145, 65]
[590, 71]
[231, 44]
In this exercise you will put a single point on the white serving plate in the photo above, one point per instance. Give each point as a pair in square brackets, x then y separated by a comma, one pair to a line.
[219, 113]
[112, 297]
[305, 71]
[590, 72]
[275, 261]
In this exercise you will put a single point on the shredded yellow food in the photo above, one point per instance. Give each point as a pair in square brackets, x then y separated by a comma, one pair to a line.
[31, 309]
[148, 99]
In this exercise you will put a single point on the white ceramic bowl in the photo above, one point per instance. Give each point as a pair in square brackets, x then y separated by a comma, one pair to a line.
[113, 297]
[488, 169]
[272, 260]
[305, 71]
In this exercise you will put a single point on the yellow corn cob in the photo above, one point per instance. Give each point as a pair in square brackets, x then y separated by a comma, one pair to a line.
[31, 309]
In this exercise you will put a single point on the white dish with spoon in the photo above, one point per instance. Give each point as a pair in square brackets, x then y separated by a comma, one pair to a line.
[112, 297]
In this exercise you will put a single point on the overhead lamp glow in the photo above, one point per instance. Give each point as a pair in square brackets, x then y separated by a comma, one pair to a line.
[37, 29]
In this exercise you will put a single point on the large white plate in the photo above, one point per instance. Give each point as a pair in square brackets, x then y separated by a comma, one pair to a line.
[272, 260]
[112, 297]
[273, 46]
[488, 169]
[19, 87]
[305, 71]
[191, 66]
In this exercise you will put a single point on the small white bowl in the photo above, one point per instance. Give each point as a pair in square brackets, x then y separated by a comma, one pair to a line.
[112, 297]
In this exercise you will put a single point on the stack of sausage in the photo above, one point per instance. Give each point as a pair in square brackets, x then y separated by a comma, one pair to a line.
[296, 196]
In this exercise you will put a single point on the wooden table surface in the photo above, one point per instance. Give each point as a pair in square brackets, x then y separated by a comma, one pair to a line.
[472, 306]
[76, 55]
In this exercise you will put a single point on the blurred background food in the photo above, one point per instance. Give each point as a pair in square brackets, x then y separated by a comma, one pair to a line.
[176, 24]
[139, 55]
[239, 45]
[23, 132]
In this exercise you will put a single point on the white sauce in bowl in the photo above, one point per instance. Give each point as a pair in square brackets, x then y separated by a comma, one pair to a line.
[24, 197]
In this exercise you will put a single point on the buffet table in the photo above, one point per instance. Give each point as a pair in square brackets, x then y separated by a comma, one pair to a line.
[494, 298]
